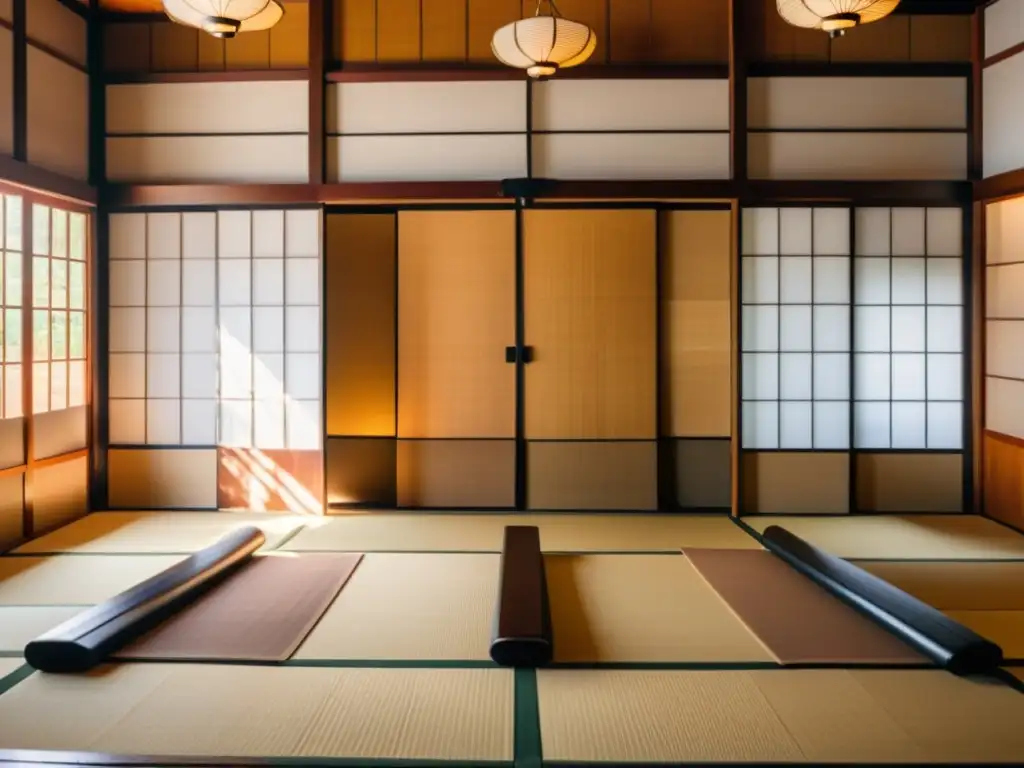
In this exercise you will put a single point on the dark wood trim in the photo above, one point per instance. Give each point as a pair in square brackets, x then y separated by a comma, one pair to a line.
[320, 28]
[859, 69]
[19, 85]
[975, 115]
[978, 355]
[21, 174]
[236, 76]
[1004, 438]
[1009, 53]
[127, 17]
[455, 71]
[736, 353]
[999, 187]
[58, 55]
[739, 25]
[936, 8]
[749, 192]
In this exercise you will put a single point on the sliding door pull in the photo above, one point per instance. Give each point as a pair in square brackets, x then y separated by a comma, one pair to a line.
[511, 355]
[527, 354]
[517, 354]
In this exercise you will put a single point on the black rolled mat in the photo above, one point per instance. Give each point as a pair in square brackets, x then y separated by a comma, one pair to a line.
[522, 634]
[946, 642]
[81, 643]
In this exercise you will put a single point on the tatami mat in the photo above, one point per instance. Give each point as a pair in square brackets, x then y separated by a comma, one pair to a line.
[394, 532]
[814, 716]
[156, 532]
[995, 586]
[908, 537]
[1004, 628]
[642, 608]
[411, 607]
[237, 711]
[21, 624]
[10, 665]
[75, 580]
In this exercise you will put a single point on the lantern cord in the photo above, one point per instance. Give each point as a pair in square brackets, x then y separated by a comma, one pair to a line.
[551, 4]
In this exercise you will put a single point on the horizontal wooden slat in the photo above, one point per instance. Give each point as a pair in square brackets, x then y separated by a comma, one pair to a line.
[631, 105]
[208, 159]
[857, 102]
[427, 158]
[426, 107]
[609, 156]
[184, 108]
[860, 156]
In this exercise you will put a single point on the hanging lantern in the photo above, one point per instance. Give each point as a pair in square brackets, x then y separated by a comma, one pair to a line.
[834, 16]
[225, 18]
[544, 43]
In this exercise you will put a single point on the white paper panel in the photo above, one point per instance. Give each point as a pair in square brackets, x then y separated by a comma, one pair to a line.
[234, 234]
[1004, 231]
[303, 424]
[199, 422]
[234, 286]
[832, 231]
[6, 91]
[280, 106]
[945, 329]
[426, 107]
[908, 377]
[127, 283]
[128, 330]
[1004, 291]
[832, 279]
[945, 426]
[302, 282]
[760, 231]
[761, 425]
[302, 234]
[127, 376]
[163, 376]
[267, 282]
[831, 376]
[858, 156]
[57, 28]
[268, 329]
[236, 423]
[1004, 348]
[831, 329]
[796, 429]
[127, 236]
[127, 422]
[796, 377]
[199, 235]
[269, 424]
[607, 156]
[761, 376]
[945, 377]
[198, 329]
[225, 159]
[909, 425]
[873, 232]
[945, 232]
[872, 377]
[909, 231]
[198, 283]
[427, 158]
[302, 329]
[796, 229]
[795, 329]
[302, 376]
[1004, 406]
[871, 425]
[268, 376]
[831, 426]
[908, 329]
[199, 376]
[1003, 116]
[857, 102]
[58, 115]
[163, 329]
[908, 280]
[268, 234]
[761, 280]
[163, 422]
[945, 281]
[631, 105]
[163, 236]
[1004, 26]
[760, 329]
[871, 332]
[163, 283]
[796, 279]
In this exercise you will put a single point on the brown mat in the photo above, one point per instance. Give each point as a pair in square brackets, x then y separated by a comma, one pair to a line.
[795, 618]
[261, 613]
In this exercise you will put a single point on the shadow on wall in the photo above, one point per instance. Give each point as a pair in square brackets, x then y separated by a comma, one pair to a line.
[270, 481]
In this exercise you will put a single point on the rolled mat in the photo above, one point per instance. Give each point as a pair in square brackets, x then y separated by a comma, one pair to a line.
[946, 642]
[522, 634]
[86, 640]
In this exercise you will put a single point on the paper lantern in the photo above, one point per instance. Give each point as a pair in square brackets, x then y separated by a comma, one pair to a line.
[544, 43]
[225, 18]
[834, 16]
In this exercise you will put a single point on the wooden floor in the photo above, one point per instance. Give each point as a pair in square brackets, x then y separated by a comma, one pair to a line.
[655, 667]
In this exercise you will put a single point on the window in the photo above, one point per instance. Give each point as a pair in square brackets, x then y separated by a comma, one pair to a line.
[11, 258]
[58, 309]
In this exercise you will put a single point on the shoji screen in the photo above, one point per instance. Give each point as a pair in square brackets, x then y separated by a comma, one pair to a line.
[215, 342]
[1004, 363]
[12, 358]
[1002, 121]
[898, 360]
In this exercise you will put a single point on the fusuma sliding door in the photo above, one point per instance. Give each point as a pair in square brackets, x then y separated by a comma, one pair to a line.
[456, 392]
[590, 308]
